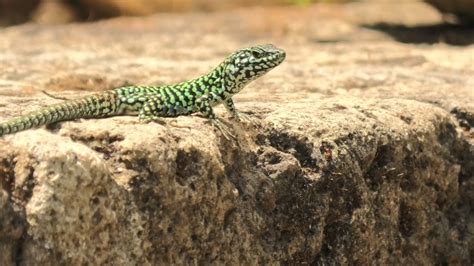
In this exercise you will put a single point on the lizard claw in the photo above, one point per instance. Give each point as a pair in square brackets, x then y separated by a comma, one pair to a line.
[244, 118]
[223, 130]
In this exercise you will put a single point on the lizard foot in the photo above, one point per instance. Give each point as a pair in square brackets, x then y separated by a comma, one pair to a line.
[222, 129]
[244, 118]
[148, 119]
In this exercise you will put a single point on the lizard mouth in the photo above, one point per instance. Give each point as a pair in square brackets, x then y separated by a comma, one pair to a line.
[275, 58]
[274, 54]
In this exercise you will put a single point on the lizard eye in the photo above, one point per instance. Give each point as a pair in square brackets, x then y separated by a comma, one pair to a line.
[257, 54]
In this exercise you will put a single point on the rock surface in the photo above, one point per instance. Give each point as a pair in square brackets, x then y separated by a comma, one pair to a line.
[359, 149]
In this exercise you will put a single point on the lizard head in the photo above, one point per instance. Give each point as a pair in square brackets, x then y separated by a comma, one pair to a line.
[247, 64]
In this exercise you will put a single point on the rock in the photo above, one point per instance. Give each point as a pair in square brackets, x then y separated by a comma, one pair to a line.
[57, 12]
[312, 182]
[359, 149]
[97, 9]
[16, 11]
[463, 9]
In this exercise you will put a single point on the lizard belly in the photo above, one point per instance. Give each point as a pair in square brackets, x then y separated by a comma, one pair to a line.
[173, 110]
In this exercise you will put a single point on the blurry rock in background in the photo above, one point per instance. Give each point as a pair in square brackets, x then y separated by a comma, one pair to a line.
[112, 8]
[63, 11]
[462, 9]
[16, 11]
[57, 12]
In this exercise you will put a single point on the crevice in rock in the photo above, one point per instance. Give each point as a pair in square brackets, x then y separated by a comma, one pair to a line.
[7, 174]
[228, 217]
[465, 155]
[380, 170]
[336, 239]
[187, 165]
[300, 148]
[25, 192]
[407, 222]
[100, 143]
[464, 117]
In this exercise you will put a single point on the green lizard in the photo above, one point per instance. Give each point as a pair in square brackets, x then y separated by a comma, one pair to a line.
[151, 103]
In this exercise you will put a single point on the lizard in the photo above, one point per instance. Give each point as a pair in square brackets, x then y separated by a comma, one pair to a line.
[151, 103]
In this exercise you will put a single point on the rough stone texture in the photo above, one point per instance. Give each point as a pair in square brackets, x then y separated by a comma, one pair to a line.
[360, 148]
[463, 9]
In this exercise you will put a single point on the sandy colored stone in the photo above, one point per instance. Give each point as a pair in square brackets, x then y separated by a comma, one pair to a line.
[56, 12]
[359, 150]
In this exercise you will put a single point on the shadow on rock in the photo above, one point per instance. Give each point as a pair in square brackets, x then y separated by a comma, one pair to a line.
[461, 35]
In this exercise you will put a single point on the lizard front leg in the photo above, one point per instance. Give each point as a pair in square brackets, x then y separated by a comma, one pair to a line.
[205, 108]
[229, 105]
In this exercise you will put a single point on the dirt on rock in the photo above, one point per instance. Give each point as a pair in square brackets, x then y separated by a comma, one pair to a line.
[359, 148]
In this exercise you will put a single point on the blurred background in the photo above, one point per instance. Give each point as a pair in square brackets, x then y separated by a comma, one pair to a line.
[13, 12]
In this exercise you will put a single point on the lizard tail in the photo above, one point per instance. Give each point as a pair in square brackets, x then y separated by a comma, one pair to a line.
[100, 105]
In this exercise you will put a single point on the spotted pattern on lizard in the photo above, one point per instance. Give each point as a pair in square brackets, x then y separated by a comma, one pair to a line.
[152, 103]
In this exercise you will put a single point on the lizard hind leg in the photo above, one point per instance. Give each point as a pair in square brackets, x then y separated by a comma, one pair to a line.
[149, 113]
[153, 111]
[145, 119]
